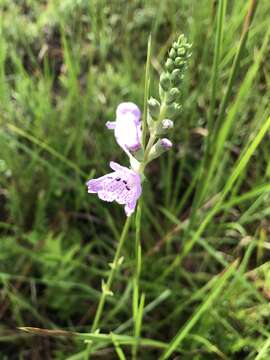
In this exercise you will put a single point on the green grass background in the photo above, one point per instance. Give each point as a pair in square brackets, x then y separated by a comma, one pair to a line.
[64, 67]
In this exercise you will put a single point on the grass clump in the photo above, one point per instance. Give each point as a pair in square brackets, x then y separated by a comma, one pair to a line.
[64, 67]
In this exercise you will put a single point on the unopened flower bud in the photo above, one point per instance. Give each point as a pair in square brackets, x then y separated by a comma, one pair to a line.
[172, 53]
[166, 144]
[169, 65]
[154, 108]
[165, 81]
[179, 62]
[176, 63]
[176, 74]
[181, 52]
[159, 148]
[167, 124]
[172, 95]
[163, 127]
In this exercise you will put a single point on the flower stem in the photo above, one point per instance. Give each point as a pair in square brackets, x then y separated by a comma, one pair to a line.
[106, 287]
[137, 300]
[136, 280]
[153, 137]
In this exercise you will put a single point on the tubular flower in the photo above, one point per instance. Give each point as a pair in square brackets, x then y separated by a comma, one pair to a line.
[122, 185]
[127, 127]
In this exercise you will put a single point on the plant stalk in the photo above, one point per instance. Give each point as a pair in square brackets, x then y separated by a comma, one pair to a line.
[106, 287]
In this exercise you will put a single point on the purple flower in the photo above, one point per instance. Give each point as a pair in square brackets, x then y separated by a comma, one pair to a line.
[123, 186]
[127, 127]
[166, 143]
[159, 148]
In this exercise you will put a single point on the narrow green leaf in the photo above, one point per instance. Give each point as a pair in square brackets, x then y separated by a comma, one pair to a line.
[179, 337]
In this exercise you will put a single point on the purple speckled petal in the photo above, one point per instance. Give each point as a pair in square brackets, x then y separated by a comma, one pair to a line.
[94, 185]
[123, 186]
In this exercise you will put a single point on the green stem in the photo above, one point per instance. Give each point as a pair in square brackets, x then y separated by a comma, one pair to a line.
[137, 312]
[107, 286]
[218, 45]
[136, 279]
[153, 137]
[149, 145]
[138, 239]
[146, 92]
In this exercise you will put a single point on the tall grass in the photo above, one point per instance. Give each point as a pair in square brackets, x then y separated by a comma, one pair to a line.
[201, 283]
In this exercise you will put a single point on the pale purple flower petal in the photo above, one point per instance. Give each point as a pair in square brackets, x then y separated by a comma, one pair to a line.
[117, 167]
[110, 125]
[128, 108]
[128, 133]
[166, 143]
[123, 186]
[130, 207]
[127, 127]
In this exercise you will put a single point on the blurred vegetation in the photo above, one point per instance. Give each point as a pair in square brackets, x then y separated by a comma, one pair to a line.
[64, 67]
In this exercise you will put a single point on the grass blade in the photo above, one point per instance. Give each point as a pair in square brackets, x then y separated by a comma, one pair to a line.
[179, 337]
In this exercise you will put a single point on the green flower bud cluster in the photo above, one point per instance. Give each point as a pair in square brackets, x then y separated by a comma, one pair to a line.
[169, 83]
[160, 113]
[171, 78]
[176, 63]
